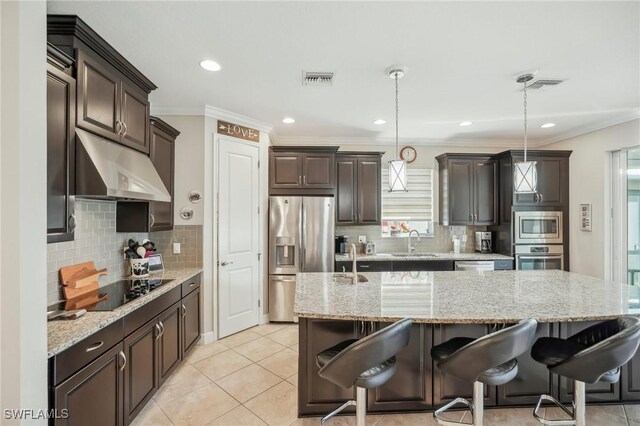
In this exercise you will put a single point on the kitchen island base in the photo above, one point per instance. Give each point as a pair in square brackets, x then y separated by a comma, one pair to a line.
[419, 386]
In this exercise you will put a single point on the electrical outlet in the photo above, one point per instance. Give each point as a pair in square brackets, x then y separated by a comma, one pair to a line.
[176, 248]
[362, 239]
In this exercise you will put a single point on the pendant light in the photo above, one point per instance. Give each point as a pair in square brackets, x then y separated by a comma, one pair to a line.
[397, 167]
[525, 173]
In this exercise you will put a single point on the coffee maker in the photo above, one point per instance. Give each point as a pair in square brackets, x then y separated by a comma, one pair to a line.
[484, 242]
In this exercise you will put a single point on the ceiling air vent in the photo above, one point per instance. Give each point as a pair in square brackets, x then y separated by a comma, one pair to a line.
[317, 78]
[543, 83]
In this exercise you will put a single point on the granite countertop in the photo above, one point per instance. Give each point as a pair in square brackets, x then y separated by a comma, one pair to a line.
[465, 297]
[436, 256]
[63, 334]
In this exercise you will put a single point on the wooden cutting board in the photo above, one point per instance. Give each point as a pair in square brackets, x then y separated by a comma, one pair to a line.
[80, 280]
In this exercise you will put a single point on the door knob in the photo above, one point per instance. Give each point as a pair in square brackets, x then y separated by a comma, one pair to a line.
[223, 263]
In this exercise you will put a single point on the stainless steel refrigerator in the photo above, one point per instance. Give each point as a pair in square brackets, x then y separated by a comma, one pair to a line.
[301, 239]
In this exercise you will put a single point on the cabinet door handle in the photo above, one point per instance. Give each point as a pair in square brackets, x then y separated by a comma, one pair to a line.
[158, 329]
[94, 346]
[118, 127]
[184, 311]
[304, 179]
[124, 360]
[161, 328]
[541, 198]
[72, 222]
[299, 180]
[470, 217]
[125, 128]
[363, 266]
[153, 219]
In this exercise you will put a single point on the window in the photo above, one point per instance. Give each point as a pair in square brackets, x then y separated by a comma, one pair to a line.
[404, 211]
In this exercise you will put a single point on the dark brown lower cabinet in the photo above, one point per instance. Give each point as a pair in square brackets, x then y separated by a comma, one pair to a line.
[410, 388]
[141, 378]
[170, 341]
[445, 386]
[596, 392]
[191, 320]
[630, 379]
[94, 395]
[533, 379]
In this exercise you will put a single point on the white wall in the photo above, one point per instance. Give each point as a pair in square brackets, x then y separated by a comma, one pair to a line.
[587, 184]
[23, 254]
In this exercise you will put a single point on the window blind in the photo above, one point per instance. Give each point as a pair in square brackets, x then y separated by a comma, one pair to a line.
[416, 203]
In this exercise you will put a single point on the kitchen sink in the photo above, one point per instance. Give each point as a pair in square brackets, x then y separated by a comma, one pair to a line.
[414, 255]
[345, 278]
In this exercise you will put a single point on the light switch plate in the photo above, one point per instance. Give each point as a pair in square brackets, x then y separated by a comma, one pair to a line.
[362, 239]
[176, 248]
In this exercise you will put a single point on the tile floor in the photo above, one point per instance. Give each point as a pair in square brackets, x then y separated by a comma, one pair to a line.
[251, 378]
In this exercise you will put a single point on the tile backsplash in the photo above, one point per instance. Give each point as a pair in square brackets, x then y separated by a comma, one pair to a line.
[440, 243]
[95, 239]
[190, 239]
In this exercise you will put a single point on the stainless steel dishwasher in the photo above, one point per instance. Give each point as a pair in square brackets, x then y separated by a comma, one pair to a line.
[474, 265]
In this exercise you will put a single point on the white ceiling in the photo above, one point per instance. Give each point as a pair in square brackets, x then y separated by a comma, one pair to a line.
[461, 58]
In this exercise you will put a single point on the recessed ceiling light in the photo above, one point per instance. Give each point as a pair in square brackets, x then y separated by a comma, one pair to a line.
[288, 120]
[465, 124]
[379, 121]
[210, 65]
[547, 125]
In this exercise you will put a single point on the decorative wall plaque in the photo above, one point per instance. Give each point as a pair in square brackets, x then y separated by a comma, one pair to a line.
[238, 131]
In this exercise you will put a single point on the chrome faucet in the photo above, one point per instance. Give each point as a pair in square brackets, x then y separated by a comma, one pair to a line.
[410, 248]
[354, 270]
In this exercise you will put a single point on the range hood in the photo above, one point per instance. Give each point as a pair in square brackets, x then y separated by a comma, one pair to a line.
[106, 170]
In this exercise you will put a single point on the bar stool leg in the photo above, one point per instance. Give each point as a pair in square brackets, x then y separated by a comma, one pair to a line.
[580, 407]
[478, 403]
[361, 406]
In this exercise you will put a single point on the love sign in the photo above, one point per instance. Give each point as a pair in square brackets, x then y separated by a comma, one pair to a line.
[238, 131]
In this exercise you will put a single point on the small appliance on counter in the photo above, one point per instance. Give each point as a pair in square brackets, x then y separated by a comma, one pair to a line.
[342, 244]
[370, 248]
[484, 242]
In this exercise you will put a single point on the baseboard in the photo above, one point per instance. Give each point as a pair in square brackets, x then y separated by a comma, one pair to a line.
[265, 319]
[206, 338]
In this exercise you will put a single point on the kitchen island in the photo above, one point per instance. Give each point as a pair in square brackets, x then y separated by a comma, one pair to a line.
[445, 305]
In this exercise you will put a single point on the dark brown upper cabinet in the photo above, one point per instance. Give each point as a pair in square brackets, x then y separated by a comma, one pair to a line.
[143, 216]
[112, 96]
[358, 188]
[468, 189]
[302, 170]
[553, 180]
[61, 117]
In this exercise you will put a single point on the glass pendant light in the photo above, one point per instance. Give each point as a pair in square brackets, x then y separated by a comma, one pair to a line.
[398, 167]
[525, 173]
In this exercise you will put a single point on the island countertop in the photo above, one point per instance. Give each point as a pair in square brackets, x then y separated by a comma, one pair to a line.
[465, 297]
[421, 256]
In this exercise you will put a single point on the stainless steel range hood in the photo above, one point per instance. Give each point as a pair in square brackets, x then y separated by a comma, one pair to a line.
[106, 170]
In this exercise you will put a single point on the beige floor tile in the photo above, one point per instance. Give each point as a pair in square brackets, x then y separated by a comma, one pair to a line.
[510, 416]
[601, 415]
[259, 349]
[201, 352]
[296, 347]
[288, 336]
[239, 416]
[293, 380]
[184, 380]
[239, 338]
[269, 328]
[151, 415]
[277, 406]
[200, 406]
[246, 383]
[283, 363]
[217, 366]
[422, 419]
[633, 412]
[347, 420]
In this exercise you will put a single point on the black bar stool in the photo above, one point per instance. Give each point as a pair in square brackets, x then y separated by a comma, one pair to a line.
[489, 360]
[594, 354]
[366, 363]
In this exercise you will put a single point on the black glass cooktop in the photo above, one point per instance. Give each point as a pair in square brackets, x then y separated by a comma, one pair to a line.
[122, 292]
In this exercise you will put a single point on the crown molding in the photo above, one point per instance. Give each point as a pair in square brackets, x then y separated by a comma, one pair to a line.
[337, 141]
[589, 128]
[211, 112]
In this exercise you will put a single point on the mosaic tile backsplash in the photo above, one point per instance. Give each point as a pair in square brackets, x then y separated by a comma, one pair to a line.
[190, 239]
[440, 243]
[95, 239]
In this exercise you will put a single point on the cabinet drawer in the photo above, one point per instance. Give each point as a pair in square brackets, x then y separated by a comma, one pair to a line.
[146, 313]
[423, 265]
[63, 365]
[191, 284]
[373, 266]
[503, 265]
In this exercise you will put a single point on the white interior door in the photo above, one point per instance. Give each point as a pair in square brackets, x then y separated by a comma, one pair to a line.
[238, 236]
